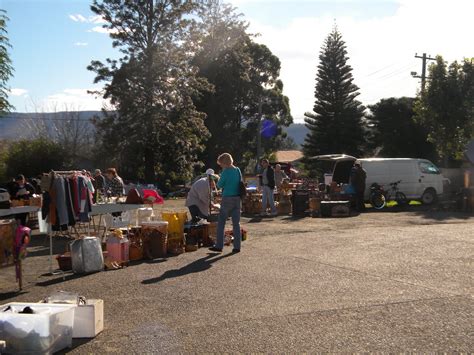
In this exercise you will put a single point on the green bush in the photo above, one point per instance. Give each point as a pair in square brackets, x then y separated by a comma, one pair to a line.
[33, 157]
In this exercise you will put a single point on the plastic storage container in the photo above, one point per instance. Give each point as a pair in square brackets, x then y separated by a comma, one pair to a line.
[176, 221]
[118, 249]
[46, 331]
[86, 255]
[144, 214]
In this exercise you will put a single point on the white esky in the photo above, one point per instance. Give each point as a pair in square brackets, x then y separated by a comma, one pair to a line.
[381, 49]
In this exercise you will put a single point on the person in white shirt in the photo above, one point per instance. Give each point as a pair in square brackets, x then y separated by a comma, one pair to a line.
[279, 176]
[198, 200]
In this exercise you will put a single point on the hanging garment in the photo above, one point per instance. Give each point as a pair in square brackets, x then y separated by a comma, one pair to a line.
[70, 209]
[61, 207]
[85, 199]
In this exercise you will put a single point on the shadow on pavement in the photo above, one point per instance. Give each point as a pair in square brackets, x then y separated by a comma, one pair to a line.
[293, 218]
[199, 265]
[63, 278]
[255, 219]
[75, 344]
[7, 295]
[444, 215]
[41, 244]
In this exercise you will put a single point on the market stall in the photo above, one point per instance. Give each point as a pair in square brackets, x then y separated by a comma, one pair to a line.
[68, 203]
[18, 210]
[304, 198]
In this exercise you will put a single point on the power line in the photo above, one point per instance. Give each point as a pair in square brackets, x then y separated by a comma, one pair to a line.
[395, 72]
[377, 71]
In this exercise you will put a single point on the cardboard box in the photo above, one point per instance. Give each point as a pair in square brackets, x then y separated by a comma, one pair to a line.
[89, 319]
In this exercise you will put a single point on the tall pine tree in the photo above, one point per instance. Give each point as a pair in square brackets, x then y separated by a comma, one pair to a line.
[336, 124]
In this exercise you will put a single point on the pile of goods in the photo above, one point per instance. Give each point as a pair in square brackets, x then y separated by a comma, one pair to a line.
[252, 203]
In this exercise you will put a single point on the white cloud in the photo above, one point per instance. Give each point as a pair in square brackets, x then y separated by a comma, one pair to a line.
[381, 49]
[96, 19]
[18, 92]
[100, 29]
[74, 99]
[81, 44]
[78, 18]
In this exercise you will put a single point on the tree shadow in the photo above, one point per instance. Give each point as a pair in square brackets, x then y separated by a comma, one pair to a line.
[198, 265]
[435, 212]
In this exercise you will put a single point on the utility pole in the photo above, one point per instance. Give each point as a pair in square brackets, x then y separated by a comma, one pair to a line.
[259, 133]
[424, 59]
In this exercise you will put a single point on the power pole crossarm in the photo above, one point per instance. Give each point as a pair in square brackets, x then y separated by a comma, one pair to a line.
[424, 59]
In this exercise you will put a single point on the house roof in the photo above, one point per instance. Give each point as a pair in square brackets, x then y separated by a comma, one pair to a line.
[288, 156]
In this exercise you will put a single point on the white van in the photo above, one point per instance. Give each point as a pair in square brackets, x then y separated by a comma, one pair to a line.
[420, 178]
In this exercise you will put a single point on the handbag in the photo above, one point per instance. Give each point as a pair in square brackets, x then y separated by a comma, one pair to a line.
[242, 187]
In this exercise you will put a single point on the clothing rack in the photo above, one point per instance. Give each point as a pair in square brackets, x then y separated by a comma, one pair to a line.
[50, 229]
[59, 172]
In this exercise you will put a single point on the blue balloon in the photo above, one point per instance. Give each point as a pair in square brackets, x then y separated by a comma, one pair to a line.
[269, 129]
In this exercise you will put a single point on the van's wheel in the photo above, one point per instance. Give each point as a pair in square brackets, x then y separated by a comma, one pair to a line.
[429, 197]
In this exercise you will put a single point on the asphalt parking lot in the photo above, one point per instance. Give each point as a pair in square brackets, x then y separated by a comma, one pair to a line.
[376, 282]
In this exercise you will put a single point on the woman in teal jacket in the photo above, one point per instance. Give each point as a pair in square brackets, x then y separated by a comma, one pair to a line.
[231, 204]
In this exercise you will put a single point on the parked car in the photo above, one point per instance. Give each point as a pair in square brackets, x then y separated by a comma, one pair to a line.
[420, 178]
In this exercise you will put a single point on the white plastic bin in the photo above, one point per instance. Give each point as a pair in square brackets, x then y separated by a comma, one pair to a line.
[46, 331]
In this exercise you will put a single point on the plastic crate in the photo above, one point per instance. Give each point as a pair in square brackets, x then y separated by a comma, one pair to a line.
[46, 331]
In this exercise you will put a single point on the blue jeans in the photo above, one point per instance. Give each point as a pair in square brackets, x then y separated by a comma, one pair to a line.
[267, 198]
[230, 207]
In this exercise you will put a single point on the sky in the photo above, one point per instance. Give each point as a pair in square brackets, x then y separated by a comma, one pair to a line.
[53, 41]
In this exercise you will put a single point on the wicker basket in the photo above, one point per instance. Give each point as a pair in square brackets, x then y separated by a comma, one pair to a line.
[136, 244]
[190, 247]
[36, 201]
[136, 252]
[209, 235]
[155, 239]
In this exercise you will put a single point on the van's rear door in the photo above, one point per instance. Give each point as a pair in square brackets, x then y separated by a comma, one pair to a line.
[333, 157]
[342, 168]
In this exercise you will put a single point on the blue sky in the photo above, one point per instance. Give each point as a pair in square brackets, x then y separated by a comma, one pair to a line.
[54, 41]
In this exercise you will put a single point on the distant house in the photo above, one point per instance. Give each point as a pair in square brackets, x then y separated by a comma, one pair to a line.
[288, 156]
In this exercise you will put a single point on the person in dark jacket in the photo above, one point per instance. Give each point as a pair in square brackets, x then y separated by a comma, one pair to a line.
[267, 183]
[21, 190]
[358, 177]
